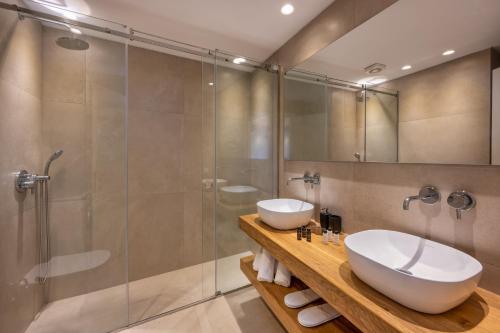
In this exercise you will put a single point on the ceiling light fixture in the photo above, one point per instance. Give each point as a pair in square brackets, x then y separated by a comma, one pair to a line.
[448, 52]
[406, 67]
[238, 61]
[210, 83]
[287, 9]
[375, 68]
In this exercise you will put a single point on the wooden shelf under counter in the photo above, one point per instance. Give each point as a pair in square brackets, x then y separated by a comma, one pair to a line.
[273, 296]
[325, 269]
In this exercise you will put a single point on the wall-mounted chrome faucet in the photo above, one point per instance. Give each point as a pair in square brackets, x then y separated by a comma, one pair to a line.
[427, 194]
[313, 180]
[461, 200]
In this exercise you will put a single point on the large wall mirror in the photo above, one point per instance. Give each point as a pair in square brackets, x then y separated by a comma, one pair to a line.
[417, 83]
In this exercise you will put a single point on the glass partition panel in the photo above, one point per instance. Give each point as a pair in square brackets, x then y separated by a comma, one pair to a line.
[323, 118]
[170, 179]
[67, 92]
[245, 159]
[124, 227]
[305, 121]
[381, 126]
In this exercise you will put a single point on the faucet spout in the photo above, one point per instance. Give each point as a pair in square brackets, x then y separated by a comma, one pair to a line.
[406, 202]
[313, 180]
[427, 194]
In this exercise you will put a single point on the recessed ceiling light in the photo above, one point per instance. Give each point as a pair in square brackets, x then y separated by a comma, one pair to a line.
[287, 9]
[406, 67]
[239, 60]
[448, 52]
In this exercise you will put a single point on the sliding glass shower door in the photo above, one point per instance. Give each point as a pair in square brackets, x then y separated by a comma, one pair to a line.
[128, 128]
[170, 179]
[63, 120]
[148, 150]
[246, 122]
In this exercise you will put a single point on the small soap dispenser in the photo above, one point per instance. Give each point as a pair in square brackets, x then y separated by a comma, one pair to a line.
[337, 228]
[324, 218]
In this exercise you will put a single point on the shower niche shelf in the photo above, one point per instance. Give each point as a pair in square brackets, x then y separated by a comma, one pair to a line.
[273, 295]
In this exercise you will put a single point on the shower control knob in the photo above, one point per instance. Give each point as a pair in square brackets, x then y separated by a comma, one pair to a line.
[462, 201]
[24, 180]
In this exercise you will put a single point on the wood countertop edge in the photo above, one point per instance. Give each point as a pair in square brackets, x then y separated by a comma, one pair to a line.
[330, 296]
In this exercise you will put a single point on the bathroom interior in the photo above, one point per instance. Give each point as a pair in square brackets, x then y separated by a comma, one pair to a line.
[264, 166]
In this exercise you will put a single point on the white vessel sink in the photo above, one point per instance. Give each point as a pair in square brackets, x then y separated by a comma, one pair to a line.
[416, 272]
[285, 214]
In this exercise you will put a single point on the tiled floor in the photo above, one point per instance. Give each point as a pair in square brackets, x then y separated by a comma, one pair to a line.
[242, 311]
[106, 310]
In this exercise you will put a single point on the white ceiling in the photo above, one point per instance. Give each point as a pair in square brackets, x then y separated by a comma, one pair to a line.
[411, 32]
[254, 28]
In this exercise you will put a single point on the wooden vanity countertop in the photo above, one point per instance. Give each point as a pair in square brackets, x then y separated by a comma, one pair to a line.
[325, 269]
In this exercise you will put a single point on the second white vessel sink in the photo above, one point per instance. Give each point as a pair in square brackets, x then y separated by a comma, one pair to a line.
[416, 272]
[285, 214]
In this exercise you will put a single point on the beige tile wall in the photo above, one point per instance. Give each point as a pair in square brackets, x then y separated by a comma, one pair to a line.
[165, 162]
[170, 148]
[246, 104]
[305, 127]
[370, 195]
[451, 100]
[84, 114]
[381, 127]
[263, 123]
[20, 147]
[322, 123]
[345, 124]
[233, 154]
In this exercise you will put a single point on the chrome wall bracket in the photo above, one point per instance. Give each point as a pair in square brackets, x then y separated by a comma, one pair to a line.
[25, 180]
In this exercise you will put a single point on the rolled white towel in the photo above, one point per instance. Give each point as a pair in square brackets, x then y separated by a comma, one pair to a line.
[256, 260]
[283, 276]
[266, 267]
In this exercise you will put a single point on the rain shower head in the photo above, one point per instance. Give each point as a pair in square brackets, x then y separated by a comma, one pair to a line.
[52, 158]
[72, 43]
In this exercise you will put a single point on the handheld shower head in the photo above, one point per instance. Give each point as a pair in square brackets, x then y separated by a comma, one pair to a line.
[52, 158]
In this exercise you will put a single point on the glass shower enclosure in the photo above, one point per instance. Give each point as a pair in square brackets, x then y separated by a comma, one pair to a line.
[153, 148]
